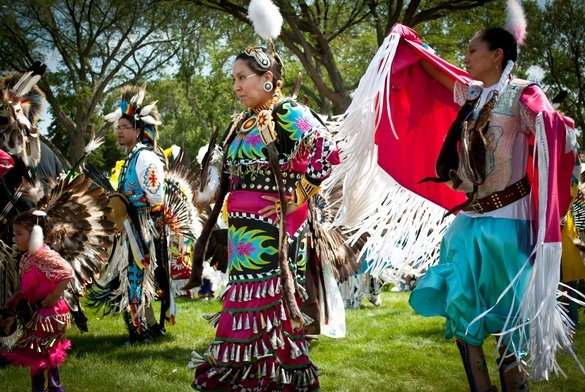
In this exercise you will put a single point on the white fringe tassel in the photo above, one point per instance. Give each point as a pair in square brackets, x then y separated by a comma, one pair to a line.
[359, 171]
[542, 321]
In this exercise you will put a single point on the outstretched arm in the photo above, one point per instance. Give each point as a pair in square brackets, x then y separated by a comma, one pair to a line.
[439, 76]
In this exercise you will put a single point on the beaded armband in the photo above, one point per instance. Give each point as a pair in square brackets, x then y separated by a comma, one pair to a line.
[304, 190]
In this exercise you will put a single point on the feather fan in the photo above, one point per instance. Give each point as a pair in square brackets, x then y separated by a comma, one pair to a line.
[182, 180]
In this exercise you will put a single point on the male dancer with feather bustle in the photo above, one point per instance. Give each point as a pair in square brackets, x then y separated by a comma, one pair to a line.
[139, 261]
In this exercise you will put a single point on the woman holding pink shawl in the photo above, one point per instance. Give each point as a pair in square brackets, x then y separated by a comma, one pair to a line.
[507, 162]
[485, 268]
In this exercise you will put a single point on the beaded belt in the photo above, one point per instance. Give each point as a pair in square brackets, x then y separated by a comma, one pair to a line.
[264, 181]
[500, 199]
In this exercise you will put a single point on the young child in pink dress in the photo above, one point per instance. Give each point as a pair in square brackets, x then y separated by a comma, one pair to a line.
[44, 276]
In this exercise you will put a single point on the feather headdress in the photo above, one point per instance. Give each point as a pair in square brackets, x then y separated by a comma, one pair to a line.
[23, 102]
[145, 117]
[516, 21]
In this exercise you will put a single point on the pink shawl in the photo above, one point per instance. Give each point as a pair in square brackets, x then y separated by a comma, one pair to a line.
[413, 120]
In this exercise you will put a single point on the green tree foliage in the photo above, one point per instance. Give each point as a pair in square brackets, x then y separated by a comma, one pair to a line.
[556, 44]
[185, 50]
[199, 95]
[320, 34]
[92, 47]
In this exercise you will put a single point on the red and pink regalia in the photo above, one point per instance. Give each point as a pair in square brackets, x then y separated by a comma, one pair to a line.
[41, 345]
[397, 125]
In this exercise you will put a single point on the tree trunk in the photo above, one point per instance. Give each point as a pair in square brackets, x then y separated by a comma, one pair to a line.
[60, 156]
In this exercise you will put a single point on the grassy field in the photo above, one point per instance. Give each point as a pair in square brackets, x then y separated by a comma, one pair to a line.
[388, 348]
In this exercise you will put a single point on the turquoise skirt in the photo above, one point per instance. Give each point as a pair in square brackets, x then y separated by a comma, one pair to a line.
[479, 259]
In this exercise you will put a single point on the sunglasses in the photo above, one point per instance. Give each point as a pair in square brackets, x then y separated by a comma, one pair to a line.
[259, 56]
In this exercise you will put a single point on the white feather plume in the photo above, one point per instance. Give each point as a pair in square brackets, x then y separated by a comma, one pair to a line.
[114, 116]
[36, 240]
[147, 109]
[28, 85]
[266, 18]
[212, 186]
[149, 120]
[29, 79]
[516, 21]
[21, 82]
[201, 153]
[137, 99]
[94, 143]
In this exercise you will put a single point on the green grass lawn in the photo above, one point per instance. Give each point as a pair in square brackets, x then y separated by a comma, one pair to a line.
[388, 348]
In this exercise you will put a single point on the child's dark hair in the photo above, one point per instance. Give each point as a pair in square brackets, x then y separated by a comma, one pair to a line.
[498, 38]
[28, 220]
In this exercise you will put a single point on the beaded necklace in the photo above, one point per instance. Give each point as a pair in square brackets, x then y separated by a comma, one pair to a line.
[249, 117]
[252, 113]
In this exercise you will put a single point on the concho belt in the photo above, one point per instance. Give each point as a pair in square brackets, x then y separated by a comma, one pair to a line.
[500, 199]
[264, 181]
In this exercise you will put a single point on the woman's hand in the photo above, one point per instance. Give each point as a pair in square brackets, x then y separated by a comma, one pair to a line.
[274, 209]
[50, 300]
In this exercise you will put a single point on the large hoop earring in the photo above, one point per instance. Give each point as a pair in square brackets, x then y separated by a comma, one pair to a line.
[268, 86]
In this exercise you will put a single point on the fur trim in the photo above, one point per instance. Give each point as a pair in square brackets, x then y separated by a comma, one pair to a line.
[516, 21]
[37, 239]
[266, 18]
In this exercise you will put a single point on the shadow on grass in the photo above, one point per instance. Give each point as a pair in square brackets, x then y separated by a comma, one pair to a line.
[112, 346]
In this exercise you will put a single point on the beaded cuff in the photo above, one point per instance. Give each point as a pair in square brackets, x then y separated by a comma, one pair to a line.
[305, 190]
